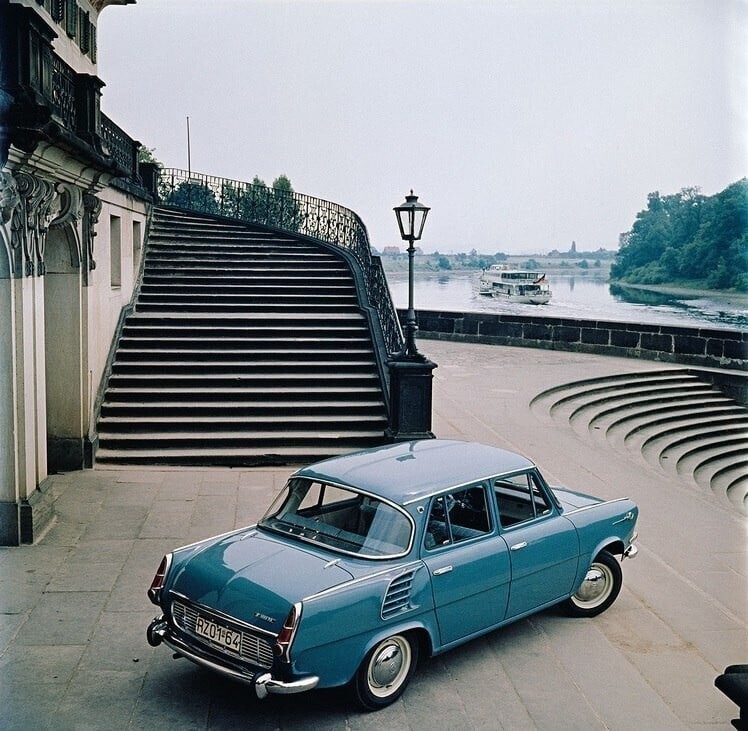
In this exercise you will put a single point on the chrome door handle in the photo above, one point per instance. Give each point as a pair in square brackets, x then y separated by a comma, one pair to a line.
[443, 570]
[518, 546]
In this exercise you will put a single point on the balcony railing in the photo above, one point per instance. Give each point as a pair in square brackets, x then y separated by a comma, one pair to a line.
[120, 146]
[52, 101]
[288, 211]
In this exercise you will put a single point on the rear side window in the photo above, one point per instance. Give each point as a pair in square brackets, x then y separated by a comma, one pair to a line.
[520, 498]
[457, 516]
[339, 518]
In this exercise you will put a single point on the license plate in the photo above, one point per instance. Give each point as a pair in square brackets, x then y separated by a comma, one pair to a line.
[222, 636]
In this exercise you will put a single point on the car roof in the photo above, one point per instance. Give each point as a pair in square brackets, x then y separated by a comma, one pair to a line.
[406, 471]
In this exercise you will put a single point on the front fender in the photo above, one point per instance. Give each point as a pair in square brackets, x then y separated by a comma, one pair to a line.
[599, 526]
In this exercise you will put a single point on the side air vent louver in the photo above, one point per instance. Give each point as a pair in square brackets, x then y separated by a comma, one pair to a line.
[397, 596]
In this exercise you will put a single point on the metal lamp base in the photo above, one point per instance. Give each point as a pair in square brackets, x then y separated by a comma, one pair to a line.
[410, 399]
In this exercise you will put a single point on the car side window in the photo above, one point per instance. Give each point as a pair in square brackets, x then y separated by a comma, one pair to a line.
[457, 516]
[520, 498]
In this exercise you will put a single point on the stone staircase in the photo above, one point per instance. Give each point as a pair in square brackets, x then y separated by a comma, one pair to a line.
[245, 347]
[672, 418]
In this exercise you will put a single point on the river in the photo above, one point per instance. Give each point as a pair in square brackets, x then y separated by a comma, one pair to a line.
[574, 296]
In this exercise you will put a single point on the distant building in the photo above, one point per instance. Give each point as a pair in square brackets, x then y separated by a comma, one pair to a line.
[391, 251]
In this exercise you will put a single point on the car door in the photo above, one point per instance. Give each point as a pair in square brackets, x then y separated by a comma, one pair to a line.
[468, 563]
[543, 546]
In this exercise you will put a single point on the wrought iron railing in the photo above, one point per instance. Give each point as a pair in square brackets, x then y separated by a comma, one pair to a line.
[63, 92]
[122, 148]
[288, 211]
[49, 96]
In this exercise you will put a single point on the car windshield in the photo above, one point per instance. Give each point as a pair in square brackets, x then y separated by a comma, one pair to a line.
[339, 518]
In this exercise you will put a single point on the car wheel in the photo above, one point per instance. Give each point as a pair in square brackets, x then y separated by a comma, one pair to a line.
[599, 589]
[385, 672]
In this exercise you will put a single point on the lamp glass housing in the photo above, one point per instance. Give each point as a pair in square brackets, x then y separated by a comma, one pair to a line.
[411, 217]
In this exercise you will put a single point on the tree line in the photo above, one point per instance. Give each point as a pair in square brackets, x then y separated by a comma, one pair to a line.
[690, 239]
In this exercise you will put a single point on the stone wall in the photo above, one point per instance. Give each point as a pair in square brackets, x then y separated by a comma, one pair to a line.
[695, 346]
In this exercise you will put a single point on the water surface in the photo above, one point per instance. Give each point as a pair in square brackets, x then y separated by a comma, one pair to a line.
[574, 296]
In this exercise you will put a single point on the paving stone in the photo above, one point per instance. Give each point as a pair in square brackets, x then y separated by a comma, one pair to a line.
[67, 653]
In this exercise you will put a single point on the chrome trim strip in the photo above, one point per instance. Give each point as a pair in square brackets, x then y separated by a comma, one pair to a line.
[352, 582]
[595, 505]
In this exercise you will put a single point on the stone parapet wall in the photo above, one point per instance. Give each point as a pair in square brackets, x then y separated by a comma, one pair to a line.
[695, 346]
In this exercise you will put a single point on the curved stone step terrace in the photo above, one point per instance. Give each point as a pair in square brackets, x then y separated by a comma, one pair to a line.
[670, 417]
[245, 347]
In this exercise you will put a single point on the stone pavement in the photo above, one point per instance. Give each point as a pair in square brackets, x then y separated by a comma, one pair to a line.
[73, 608]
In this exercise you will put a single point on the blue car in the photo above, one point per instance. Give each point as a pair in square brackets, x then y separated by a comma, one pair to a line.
[367, 561]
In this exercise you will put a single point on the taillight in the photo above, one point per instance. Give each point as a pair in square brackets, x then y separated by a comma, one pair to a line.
[285, 638]
[158, 580]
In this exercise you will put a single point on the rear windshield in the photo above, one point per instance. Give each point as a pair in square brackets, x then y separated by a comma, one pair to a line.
[340, 519]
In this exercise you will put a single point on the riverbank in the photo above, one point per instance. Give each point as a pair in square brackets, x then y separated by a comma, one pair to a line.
[444, 264]
[728, 296]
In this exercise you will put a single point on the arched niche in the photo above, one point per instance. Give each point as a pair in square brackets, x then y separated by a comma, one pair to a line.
[63, 342]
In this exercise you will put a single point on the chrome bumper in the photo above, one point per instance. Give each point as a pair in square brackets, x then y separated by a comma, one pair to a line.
[262, 682]
[630, 552]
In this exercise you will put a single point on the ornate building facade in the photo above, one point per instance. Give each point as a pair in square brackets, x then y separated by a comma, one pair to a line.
[73, 218]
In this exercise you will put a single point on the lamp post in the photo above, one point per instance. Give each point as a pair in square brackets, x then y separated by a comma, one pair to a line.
[411, 217]
[410, 371]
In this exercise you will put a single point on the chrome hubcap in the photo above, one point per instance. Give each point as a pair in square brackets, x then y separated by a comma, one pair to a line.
[595, 586]
[386, 666]
[389, 666]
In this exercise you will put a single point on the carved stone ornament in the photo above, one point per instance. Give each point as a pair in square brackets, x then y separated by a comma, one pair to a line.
[70, 204]
[92, 209]
[9, 197]
[30, 222]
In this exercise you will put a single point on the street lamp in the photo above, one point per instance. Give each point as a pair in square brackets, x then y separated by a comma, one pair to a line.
[411, 217]
[411, 373]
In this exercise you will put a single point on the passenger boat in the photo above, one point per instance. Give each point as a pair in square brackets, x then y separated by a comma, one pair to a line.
[515, 285]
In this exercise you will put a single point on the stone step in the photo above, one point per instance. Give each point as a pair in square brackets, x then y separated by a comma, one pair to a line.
[347, 317]
[236, 246]
[241, 286]
[270, 307]
[245, 347]
[247, 456]
[282, 299]
[243, 270]
[237, 379]
[653, 436]
[732, 481]
[169, 366]
[246, 344]
[670, 417]
[246, 393]
[246, 409]
[687, 456]
[329, 358]
[601, 415]
[268, 422]
[624, 425]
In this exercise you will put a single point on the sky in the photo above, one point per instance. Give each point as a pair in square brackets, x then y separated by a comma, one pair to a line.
[525, 125]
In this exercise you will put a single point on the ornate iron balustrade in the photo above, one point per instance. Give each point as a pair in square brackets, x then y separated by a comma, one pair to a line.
[120, 146]
[49, 99]
[63, 92]
[288, 211]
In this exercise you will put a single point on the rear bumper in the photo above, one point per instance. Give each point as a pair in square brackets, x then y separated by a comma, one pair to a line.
[262, 681]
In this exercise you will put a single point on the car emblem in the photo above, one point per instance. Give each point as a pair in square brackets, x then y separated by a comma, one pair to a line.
[260, 615]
